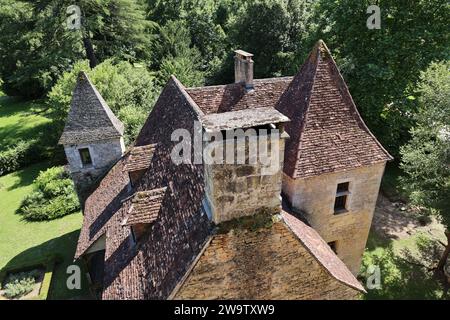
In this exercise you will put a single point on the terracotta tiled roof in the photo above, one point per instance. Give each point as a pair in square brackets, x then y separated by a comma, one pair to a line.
[145, 207]
[233, 97]
[320, 250]
[140, 157]
[164, 253]
[101, 205]
[326, 131]
[327, 134]
[90, 118]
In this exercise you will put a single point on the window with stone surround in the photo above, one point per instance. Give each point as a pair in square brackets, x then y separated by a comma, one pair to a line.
[340, 202]
[85, 156]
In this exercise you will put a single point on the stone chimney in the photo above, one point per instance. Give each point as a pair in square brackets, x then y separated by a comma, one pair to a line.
[243, 68]
[250, 183]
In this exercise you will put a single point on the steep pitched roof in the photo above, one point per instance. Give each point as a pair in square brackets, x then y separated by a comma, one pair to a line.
[90, 118]
[327, 133]
[153, 268]
[101, 205]
[145, 207]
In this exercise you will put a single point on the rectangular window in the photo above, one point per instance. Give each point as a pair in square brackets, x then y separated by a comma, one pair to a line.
[85, 156]
[340, 202]
[333, 246]
[342, 187]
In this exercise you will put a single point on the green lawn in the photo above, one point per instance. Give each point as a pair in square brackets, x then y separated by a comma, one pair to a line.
[23, 242]
[22, 120]
[404, 267]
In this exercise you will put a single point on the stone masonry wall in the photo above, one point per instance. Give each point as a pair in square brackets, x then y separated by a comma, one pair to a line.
[236, 190]
[315, 197]
[269, 263]
[103, 154]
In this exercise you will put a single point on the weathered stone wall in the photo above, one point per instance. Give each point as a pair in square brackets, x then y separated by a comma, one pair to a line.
[315, 197]
[103, 154]
[268, 263]
[236, 190]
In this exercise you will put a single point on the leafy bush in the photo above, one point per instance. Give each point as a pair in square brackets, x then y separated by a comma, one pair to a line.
[426, 157]
[18, 155]
[20, 284]
[55, 197]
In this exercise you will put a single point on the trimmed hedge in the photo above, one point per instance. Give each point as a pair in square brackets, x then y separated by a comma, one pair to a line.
[19, 155]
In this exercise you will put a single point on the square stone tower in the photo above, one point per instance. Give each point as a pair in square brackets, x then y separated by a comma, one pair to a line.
[92, 137]
[333, 164]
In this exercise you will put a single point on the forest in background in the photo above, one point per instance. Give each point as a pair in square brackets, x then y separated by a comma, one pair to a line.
[398, 75]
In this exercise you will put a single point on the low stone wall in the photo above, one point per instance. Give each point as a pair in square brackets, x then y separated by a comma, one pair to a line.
[267, 263]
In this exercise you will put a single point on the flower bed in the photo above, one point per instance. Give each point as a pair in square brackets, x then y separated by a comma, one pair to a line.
[30, 281]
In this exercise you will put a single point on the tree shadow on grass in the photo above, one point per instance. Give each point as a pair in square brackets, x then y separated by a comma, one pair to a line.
[12, 105]
[63, 248]
[28, 175]
[406, 274]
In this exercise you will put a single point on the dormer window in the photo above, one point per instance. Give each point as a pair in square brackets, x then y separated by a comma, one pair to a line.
[139, 160]
[340, 202]
[144, 210]
[85, 156]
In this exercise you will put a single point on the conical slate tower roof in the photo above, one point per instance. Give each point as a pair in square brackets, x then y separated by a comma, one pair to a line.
[90, 118]
[327, 134]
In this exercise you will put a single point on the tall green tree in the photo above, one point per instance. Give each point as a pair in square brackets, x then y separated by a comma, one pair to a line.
[426, 157]
[275, 31]
[36, 45]
[176, 55]
[35, 48]
[381, 66]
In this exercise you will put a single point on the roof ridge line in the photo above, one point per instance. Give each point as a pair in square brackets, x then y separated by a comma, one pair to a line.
[215, 86]
[186, 95]
[103, 103]
[352, 103]
[360, 288]
[297, 142]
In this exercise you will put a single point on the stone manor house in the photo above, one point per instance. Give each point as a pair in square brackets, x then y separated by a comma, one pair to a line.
[157, 230]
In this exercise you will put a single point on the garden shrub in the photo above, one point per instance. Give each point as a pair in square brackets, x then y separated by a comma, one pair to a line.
[55, 196]
[20, 284]
[17, 156]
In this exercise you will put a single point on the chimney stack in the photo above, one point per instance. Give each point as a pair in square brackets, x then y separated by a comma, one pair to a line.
[243, 68]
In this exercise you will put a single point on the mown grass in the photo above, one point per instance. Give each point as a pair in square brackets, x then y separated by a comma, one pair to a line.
[22, 120]
[23, 242]
[405, 268]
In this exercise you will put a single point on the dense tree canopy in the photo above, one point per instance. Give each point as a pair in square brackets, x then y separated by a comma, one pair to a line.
[36, 45]
[426, 158]
[382, 66]
[195, 39]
